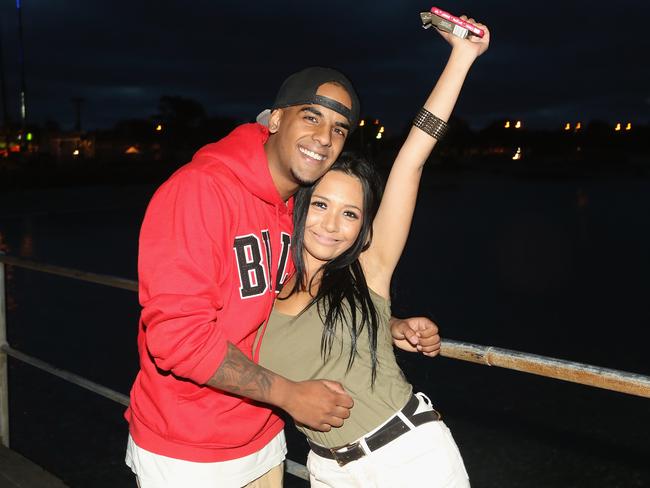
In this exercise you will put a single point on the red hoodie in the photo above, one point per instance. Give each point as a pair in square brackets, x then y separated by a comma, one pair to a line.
[214, 246]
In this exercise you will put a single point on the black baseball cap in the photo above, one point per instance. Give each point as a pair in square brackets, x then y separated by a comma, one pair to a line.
[300, 89]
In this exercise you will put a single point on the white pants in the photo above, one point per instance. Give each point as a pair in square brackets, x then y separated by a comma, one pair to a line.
[156, 471]
[426, 456]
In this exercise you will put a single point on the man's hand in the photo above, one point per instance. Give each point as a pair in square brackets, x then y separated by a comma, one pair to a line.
[317, 404]
[416, 334]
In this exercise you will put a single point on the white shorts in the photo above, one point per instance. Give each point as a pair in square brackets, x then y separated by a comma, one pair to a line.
[426, 456]
[156, 471]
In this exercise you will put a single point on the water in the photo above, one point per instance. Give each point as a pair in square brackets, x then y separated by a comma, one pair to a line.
[558, 268]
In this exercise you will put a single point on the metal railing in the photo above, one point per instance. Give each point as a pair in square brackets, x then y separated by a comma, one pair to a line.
[609, 379]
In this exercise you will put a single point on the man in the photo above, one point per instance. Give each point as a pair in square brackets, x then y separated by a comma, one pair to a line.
[214, 251]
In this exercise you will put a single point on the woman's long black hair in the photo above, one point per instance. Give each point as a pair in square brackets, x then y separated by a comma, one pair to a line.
[342, 278]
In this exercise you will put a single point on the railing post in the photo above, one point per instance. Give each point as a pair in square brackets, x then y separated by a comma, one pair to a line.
[4, 379]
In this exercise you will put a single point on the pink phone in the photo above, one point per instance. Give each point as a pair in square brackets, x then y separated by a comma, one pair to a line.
[461, 27]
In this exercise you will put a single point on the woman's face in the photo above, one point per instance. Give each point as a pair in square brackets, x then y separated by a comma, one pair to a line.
[334, 218]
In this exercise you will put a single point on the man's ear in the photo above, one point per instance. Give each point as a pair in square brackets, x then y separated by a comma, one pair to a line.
[274, 120]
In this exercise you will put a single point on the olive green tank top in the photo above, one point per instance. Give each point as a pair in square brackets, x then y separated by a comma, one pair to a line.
[291, 347]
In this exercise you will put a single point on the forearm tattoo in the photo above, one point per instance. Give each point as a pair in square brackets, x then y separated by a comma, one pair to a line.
[238, 374]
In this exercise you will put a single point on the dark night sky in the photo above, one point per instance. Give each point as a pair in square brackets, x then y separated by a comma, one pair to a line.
[231, 56]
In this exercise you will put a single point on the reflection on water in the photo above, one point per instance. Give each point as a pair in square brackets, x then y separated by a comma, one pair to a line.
[10, 301]
[25, 250]
[582, 199]
[27, 240]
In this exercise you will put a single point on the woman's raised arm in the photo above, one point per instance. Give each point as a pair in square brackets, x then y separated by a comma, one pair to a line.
[393, 220]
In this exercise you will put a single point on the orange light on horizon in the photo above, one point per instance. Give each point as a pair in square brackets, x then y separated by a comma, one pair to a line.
[362, 123]
[381, 129]
[628, 126]
[518, 124]
[618, 126]
[507, 125]
[517, 154]
[159, 128]
[567, 126]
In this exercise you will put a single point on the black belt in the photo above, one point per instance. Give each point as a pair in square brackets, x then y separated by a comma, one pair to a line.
[394, 428]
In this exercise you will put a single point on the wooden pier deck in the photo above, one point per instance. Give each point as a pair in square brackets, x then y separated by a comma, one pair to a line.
[17, 471]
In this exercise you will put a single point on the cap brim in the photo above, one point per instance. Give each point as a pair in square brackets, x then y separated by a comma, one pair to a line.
[263, 117]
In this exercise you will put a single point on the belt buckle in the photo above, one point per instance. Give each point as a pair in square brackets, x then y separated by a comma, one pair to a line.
[337, 451]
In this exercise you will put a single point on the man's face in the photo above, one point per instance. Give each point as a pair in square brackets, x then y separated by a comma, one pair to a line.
[306, 140]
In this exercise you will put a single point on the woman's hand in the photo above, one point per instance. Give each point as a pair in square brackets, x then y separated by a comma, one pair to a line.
[472, 45]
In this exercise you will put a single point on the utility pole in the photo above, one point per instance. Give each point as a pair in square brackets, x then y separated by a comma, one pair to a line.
[21, 60]
[3, 88]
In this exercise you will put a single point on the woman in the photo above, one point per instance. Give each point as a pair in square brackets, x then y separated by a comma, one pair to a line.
[332, 318]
